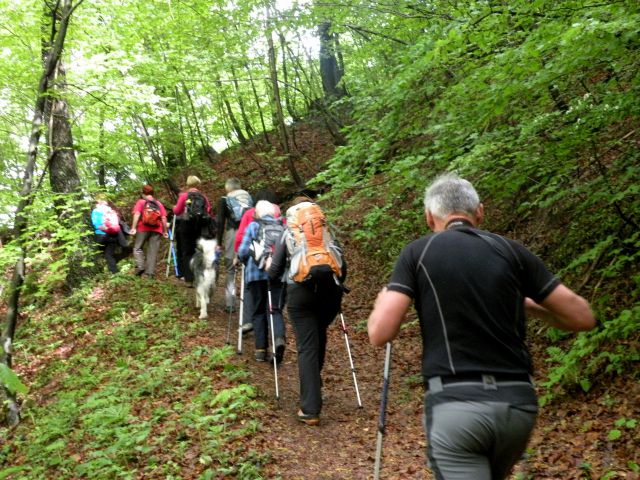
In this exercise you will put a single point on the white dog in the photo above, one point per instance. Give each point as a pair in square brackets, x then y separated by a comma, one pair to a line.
[204, 265]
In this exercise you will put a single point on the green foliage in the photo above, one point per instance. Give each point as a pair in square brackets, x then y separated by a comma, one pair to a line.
[611, 349]
[536, 103]
[107, 418]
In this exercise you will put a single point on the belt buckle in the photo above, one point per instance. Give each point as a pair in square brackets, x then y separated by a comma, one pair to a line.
[489, 382]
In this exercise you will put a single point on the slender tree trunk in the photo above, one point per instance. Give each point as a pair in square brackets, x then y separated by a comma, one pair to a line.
[285, 76]
[102, 168]
[279, 116]
[245, 118]
[157, 158]
[20, 224]
[232, 118]
[257, 100]
[204, 143]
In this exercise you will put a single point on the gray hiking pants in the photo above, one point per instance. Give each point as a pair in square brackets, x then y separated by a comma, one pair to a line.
[229, 254]
[148, 265]
[479, 440]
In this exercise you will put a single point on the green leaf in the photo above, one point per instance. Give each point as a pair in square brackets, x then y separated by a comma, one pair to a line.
[614, 434]
[11, 381]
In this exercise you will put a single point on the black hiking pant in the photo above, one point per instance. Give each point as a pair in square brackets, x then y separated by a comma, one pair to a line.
[311, 311]
[188, 233]
[108, 246]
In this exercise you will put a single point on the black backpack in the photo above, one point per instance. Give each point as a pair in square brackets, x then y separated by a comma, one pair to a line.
[196, 207]
[269, 233]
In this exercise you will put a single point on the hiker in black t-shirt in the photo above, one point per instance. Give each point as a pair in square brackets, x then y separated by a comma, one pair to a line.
[472, 289]
[194, 220]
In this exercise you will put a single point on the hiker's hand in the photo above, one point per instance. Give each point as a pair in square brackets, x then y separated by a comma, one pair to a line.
[165, 234]
[132, 231]
[267, 263]
[218, 248]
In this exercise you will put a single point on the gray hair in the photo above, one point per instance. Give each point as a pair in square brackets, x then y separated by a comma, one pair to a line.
[451, 194]
[265, 208]
[232, 184]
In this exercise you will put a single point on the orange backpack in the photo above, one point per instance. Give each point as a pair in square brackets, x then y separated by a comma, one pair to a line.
[311, 245]
[151, 214]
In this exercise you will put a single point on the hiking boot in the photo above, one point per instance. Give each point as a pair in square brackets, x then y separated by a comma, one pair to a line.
[307, 418]
[280, 345]
[261, 355]
[247, 328]
[139, 272]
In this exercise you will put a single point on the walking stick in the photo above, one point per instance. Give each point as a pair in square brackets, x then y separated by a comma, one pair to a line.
[353, 368]
[383, 409]
[175, 260]
[231, 312]
[171, 251]
[241, 312]
[273, 341]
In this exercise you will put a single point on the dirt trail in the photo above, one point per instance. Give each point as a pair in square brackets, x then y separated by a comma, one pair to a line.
[343, 445]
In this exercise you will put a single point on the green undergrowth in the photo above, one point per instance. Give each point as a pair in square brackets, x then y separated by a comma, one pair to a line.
[125, 386]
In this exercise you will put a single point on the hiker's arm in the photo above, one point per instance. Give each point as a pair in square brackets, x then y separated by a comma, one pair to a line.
[563, 309]
[165, 226]
[243, 249]
[178, 208]
[387, 316]
[134, 222]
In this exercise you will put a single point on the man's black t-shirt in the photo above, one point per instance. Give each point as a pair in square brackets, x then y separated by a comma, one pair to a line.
[469, 287]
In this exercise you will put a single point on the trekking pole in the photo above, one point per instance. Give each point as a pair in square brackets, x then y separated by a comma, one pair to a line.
[353, 368]
[273, 341]
[241, 314]
[171, 251]
[383, 409]
[175, 260]
[231, 313]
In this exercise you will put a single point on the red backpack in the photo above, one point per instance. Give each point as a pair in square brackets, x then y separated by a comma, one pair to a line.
[151, 214]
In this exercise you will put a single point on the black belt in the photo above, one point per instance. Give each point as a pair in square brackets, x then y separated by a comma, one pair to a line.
[478, 377]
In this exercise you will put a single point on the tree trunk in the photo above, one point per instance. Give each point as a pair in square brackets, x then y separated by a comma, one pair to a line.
[63, 170]
[157, 158]
[204, 143]
[257, 99]
[20, 224]
[232, 118]
[285, 76]
[245, 118]
[279, 116]
[329, 69]
[64, 179]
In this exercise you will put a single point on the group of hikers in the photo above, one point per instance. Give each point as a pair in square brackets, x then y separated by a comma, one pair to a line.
[472, 290]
